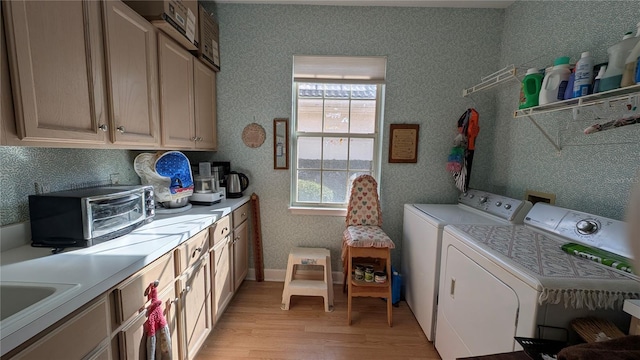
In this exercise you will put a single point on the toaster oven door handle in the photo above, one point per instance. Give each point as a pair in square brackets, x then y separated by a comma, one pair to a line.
[117, 201]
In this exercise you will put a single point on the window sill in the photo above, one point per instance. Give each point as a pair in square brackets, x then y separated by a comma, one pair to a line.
[317, 211]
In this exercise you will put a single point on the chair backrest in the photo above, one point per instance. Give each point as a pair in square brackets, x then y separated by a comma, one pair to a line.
[364, 205]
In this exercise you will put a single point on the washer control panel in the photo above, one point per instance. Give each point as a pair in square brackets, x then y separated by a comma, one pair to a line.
[588, 229]
[504, 207]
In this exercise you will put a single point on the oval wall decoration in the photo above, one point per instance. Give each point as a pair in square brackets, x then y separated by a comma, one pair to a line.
[253, 135]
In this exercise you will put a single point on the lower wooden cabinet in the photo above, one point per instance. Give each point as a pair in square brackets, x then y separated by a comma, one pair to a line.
[222, 276]
[195, 308]
[128, 296]
[132, 340]
[195, 287]
[240, 254]
[80, 337]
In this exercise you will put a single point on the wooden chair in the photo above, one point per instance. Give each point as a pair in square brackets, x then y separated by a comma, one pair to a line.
[364, 241]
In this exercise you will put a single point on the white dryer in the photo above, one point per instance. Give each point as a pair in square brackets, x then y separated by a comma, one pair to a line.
[422, 237]
[502, 281]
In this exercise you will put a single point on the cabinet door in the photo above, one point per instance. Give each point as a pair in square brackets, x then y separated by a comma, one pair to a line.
[132, 340]
[223, 281]
[196, 307]
[129, 295]
[56, 61]
[205, 107]
[240, 254]
[77, 338]
[176, 94]
[132, 74]
[7, 119]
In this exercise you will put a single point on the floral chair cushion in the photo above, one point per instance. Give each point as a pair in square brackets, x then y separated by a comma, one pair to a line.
[364, 236]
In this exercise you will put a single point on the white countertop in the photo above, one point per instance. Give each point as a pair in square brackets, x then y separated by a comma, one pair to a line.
[94, 270]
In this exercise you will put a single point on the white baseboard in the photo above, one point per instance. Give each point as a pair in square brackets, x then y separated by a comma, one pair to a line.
[278, 275]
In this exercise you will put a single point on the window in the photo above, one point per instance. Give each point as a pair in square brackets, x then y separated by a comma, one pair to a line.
[337, 121]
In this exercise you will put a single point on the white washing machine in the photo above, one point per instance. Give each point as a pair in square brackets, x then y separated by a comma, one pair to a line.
[502, 281]
[422, 238]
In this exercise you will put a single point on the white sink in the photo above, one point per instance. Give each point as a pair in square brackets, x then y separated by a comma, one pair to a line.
[22, 299]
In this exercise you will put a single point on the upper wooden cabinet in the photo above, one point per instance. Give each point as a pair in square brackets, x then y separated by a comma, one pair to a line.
[176, 94]
[187, 98]
[96, 74]
[132, 76]
[57, 70]
[206, 117]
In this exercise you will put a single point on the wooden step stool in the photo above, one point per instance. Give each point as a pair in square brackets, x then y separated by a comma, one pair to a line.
[292, 286]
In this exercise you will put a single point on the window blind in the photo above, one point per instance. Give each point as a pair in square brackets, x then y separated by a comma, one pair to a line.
[343, 69]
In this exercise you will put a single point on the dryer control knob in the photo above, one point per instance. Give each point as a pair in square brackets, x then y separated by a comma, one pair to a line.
[471, 196]
[587, 227]
[507, 206]
[483, 200]
[498, 203]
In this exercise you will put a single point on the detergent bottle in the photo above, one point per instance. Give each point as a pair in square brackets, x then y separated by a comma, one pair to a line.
[584, 75]
[631, 65]
[555, 82]
[531, 85]
[618, 55]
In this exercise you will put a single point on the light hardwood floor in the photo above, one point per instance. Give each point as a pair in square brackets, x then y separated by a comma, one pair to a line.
[254, 327]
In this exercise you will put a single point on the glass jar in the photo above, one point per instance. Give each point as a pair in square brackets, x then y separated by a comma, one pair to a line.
[359, 272]
[380, 277]
[368, 274]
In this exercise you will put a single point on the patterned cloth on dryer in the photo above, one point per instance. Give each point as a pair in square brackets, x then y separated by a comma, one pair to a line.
[562, 278]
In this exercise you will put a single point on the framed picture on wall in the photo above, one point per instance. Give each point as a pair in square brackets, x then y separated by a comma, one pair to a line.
[403, 143]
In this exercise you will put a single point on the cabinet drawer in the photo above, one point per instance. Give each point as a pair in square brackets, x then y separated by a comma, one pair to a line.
[74, 339]
[132, 340]
[129, 296]
[240, 214]
[220, 229]
[191, 251]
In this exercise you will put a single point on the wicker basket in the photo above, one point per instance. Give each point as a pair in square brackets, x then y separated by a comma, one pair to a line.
[593, 329]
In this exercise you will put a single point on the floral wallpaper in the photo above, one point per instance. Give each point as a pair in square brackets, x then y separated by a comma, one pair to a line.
[591, 173]
[59, 169]
[433, 53]
[431, 57]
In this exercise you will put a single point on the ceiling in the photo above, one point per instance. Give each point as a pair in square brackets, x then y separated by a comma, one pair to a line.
[404, 3]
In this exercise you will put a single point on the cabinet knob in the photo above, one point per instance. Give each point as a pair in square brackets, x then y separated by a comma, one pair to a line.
[174, 301]
[120, 129]
[187, 289]
[193, 138]
[103, 127]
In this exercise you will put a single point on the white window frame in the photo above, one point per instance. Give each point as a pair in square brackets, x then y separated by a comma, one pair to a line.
[308, 208]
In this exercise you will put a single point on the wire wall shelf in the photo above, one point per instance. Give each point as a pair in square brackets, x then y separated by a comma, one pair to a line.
[489, 81]
[615, 95]
[604, 101]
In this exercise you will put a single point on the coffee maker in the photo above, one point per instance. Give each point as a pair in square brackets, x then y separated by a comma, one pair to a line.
[207, 189]
[223, 168]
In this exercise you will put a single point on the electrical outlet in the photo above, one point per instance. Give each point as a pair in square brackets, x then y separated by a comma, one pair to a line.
[115, 178]
[41, 188]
